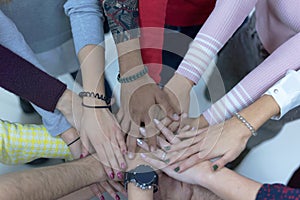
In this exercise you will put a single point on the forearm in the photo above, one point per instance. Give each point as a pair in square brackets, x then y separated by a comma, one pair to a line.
[50, 182]
[256, 82]
[225, 19]
[229, 185]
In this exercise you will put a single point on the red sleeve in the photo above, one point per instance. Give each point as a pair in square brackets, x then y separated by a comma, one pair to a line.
[24, 79]
[152, 21]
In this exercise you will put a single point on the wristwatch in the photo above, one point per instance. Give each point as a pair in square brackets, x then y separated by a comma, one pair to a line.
[143, 176]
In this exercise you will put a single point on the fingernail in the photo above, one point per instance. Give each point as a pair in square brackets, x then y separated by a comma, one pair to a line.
[130, 155]
[102, 197]
[175, 117]
[156, 121]
[167, 161]
[111, 175]
[177, 169]
[139, 141]
[143, 131]
[117, 197]
[215, 167]
[120, 175]
[152, 149]
[81, 156]
[184, 115]
[167, 148]
[143, 155]
[193, 129]
[123, 165]
[124, 152]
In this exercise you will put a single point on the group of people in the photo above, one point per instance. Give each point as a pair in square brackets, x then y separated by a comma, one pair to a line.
[149, 144]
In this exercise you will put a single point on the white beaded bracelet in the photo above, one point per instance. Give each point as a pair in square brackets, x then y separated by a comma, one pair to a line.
[247, 124]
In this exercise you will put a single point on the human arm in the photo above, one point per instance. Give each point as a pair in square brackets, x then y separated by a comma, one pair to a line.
[59, 180]
[99, 129]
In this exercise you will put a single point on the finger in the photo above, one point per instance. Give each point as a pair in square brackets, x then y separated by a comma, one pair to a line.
[191, 133]
[166, 132]
[220, 163]
[86, 145]
[109, 189]
[125, 124]
[166, 121]
[193, 160]
[150, 132]
[157, 153]
[185, 144]
[96, 191]
[157, 164]
[120, 115]
[123, 149]
[118, 187]
[164, 104]
[162, 143]
[131, 145]
[173, 127]
[103, 159]
[185, 128]
[110, 153]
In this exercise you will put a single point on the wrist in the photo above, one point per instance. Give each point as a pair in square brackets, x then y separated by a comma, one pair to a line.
[180, 81]
[64, 101]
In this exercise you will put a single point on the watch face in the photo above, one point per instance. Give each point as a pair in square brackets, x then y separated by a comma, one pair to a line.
[144, 174]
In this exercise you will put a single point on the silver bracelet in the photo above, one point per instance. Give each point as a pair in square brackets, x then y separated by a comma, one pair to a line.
[132, 77]
[247, 124]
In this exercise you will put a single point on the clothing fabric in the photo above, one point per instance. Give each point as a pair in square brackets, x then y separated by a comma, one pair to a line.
[286, 92]
[11, 38]
[219, 28]
[294, 181]
[155, 14]
[277, 192]
[23, 143]
[87, 22]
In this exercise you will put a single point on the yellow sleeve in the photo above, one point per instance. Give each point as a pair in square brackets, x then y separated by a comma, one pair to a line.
[24, 143]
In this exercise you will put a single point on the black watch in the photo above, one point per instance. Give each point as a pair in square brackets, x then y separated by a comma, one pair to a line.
[143, 176]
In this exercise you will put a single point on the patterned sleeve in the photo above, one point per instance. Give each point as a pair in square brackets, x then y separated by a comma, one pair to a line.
[23, 143]
[277, 192]
[284, 58]
[225, 19]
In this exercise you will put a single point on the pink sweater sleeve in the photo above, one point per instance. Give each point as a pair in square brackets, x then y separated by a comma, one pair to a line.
[225, 19]
[257, 82]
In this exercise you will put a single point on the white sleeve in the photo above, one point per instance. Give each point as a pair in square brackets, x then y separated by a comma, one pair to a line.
[286, 92]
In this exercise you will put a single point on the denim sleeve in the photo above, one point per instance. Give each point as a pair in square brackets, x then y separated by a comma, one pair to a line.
[86, 18]
[55, 122]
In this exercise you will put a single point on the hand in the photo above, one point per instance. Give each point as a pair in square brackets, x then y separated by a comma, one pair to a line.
[111, 187]
[69, 105]
[226, 141]
[138, 100]
[178, 91]
[69, 136]
[100, 130]
[170, 189]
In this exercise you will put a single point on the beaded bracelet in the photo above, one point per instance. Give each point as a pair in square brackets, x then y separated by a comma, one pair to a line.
[73, 141]
[133, 77]
[95, 95]
[247, 124]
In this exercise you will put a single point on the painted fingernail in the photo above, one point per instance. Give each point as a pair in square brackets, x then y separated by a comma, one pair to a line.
[167, 161]
[167, 148]
[193, 129]
[81, 156]
[156, 121]
[124, 152]
[102, 197]
[123, 165]
[130, 155]
[143, 155]
[215, 167]
[175, 117]
[111, 175]
[139, 141]
[177, 169]
[117, 197]
[143, 131]
[120, 175]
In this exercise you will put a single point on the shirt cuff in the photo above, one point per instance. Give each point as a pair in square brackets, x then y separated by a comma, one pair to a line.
[286, 92]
